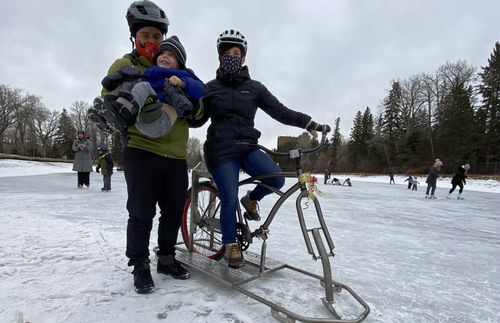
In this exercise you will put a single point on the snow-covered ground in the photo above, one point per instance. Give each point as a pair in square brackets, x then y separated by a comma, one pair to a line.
[411, 259]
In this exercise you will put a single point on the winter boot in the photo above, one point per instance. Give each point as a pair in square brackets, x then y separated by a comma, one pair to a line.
[151, 111]
[233, 256]
[251, 207]
[460, 196]
[143, 282]
[95, 114]
[169, 266]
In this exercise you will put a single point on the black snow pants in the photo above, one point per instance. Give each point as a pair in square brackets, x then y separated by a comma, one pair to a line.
[153, 179]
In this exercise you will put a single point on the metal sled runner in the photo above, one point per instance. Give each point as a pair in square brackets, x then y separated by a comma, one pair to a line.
[202, 236]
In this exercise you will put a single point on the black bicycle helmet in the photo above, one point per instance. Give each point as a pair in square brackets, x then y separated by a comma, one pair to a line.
[146, 13]
[233, 37]
[81, 131]
[104, 149]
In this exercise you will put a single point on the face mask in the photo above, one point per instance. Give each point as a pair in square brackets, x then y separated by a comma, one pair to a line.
[147, 50]
[230, 64]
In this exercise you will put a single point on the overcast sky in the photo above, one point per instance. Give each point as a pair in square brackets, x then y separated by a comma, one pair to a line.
[326, 58]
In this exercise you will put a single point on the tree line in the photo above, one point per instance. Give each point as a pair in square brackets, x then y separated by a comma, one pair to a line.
[452, 114]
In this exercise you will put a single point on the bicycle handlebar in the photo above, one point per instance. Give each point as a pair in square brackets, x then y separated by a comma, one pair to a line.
[292, 153]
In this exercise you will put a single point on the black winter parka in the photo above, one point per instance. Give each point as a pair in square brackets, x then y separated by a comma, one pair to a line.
[459, 177]
[231, 101]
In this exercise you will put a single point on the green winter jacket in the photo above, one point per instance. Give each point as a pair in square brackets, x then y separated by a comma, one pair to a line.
[105, 165]
[174, 143]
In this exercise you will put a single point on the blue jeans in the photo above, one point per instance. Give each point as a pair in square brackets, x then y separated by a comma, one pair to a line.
[226, 177]
[430, 187]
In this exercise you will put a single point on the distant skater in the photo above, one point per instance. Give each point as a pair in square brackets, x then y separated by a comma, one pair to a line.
[391, 175]
[459, 180]
[347, 182]
[432, 179]
[414, 183]
[327, 176]
[410, 181]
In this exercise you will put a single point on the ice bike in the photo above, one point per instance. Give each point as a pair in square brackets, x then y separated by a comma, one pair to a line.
[202, 236]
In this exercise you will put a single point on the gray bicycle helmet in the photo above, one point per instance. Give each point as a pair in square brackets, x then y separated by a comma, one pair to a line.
[232, 37]
[146, 13]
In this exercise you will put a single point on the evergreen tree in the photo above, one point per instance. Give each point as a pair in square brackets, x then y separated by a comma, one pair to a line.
[489, 112]
[65, 136]
[335, 146]
[356, 140]
[392, 119]
[456, 132]
[286, 164]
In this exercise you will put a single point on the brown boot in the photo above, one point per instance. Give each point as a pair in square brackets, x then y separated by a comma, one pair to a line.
[251, 207]
[233, 256]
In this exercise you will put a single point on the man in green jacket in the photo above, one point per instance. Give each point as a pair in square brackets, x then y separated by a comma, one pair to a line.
[155, 168]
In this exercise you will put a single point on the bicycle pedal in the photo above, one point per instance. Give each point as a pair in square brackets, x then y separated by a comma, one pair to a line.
[249, 217]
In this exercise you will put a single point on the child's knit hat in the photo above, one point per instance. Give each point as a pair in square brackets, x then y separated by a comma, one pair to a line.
[438, 162]
[172, 44]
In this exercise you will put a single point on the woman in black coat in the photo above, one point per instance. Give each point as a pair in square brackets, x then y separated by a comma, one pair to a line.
[231, 101]
[459, 180]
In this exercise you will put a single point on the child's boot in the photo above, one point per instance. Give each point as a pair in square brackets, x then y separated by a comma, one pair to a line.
[95, 114]
[120, 109]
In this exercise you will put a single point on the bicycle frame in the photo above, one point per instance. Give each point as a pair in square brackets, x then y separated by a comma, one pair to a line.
[322, 254]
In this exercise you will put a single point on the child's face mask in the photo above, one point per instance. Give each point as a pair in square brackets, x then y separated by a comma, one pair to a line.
[147, 50]
[230, 64]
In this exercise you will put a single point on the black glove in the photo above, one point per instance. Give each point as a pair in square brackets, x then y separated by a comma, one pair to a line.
[125, 74]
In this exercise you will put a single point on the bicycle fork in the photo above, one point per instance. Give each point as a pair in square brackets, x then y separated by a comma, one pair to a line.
[323, 253]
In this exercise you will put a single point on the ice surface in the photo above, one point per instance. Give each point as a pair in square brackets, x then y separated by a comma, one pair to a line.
[62, 254]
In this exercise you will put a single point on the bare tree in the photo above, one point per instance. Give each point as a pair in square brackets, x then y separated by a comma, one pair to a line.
[412, 101]
[194, 152]
[10, 100]
[24, 120]
[44, 126]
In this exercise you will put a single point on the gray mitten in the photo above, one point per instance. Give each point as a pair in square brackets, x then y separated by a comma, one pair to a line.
[181, 104]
